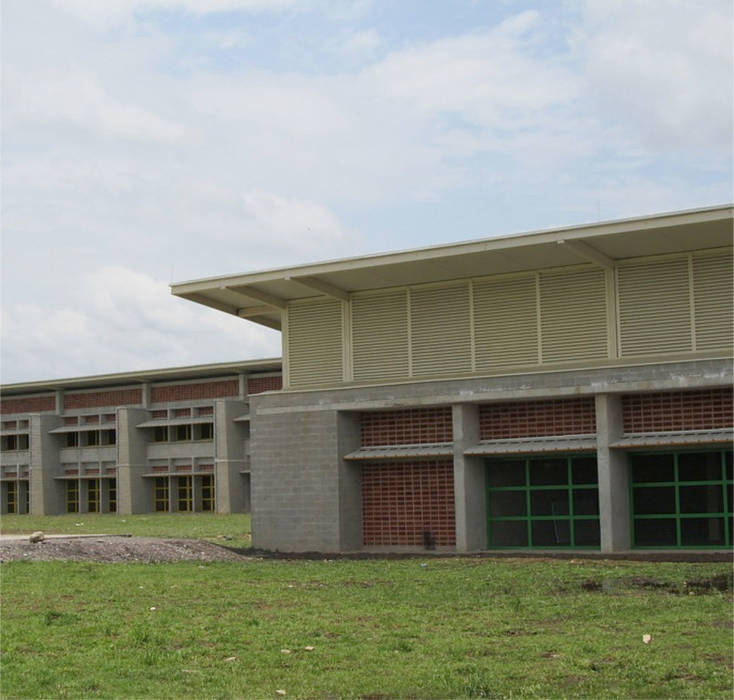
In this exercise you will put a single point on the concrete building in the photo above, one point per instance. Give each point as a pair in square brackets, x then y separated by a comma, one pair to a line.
[563, 389]
[567, 388]
[167, 440]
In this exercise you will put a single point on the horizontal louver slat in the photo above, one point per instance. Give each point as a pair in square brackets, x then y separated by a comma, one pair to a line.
[440, 330]
[654, 308]
[315, 343]
[573, 312]
[505, 323]
[714, 312]
[380, 336]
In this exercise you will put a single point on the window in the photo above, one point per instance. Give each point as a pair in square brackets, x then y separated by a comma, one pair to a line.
[93, 496]
[682, 499]
[9, 443]
[160, 494]
[181, 432]
[112, 495]
[72, 439]
[207, 493]
[160, 434]
[543, 502]
[91, 438]
[185, 500]
[11, 496]
[72, 496]
[109, 437]
[204, 431]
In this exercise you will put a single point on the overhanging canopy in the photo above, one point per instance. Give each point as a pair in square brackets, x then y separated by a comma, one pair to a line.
[262, 296]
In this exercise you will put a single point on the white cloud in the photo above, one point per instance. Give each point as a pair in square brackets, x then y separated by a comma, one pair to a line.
[123, 320]
[77, 99]
[664, 70]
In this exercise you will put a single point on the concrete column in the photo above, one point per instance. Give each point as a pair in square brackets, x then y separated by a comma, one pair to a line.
[47, 493]
[350, 482]
[133, 495]
[145, 392]
[231, 489]
[614, 505]
[242, 383]
[469, 481]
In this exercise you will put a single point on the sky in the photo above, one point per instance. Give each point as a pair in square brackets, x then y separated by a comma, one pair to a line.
[146, 142]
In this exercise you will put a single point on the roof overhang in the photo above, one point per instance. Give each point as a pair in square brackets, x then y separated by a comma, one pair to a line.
[262, 296]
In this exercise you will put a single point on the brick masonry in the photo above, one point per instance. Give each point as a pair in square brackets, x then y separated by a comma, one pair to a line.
[256, 385]
[520, 419]
[94, 399]
[413, 426]
[405, 502]
[191, 392]
[667, 411]
[30, 404]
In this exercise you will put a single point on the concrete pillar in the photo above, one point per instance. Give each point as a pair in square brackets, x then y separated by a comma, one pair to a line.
[47, 493]
[614, 505]
[469, 481]
[231, 490]
[145, 392]
[133, 495]
[350, 482]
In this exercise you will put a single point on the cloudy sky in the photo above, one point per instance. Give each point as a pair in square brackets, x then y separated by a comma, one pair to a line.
[152, 141]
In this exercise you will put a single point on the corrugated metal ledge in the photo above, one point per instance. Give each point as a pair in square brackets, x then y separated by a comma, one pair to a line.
[527, 445]
[86, 428]
[690, 437]
[442, 449]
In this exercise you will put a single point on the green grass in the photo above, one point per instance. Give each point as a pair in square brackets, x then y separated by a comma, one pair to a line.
[444, 627]
[207, 526]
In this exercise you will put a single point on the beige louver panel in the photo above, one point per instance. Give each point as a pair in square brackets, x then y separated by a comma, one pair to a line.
[440, 330]
[654, 308]
[315, 343]
[573, 316]
[380, 336]
[712, 287]
[505, 323]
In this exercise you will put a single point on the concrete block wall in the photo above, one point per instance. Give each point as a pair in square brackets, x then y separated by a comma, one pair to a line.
[232, 488]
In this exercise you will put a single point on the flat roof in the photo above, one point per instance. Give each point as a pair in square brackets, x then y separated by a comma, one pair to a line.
[151, 375]
[262, 296]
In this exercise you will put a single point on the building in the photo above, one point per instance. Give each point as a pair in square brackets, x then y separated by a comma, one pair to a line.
[569, 388]
[158, 441]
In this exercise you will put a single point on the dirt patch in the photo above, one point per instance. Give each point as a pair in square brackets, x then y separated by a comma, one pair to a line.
[117, 549]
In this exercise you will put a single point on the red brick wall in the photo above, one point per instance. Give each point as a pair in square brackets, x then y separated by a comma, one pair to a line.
[517, 419]
[705, 409]
[114, 397]
[402, 500]
[412, 426]
[256, 385]
[32, 404]
[190, 392]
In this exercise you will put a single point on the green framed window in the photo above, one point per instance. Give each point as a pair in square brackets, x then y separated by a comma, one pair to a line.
[160, 494]
[681, 499]
[11, 496]
[112, 495]
[72, 496]
[543, 502]
[207, 493]
[93, 496]
[185, 494]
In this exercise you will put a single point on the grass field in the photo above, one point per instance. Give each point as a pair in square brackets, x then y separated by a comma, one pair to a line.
[231, 529]
[443, 627]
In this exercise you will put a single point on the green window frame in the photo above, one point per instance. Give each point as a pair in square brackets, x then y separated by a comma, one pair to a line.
[207, 493]
[527, 510]
[666, 490]
[112, 495]
[185, 494]
[72, 496]
[160, 494]
[11, 496]
[93, 496]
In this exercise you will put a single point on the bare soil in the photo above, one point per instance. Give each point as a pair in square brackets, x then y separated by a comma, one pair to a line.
[117, 549]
